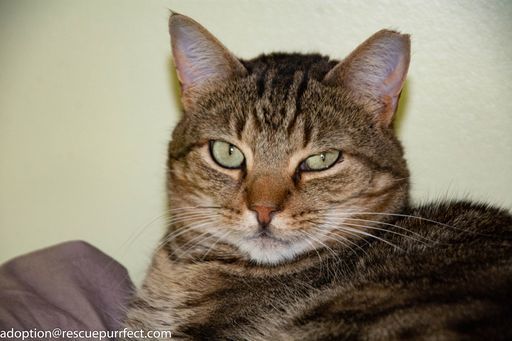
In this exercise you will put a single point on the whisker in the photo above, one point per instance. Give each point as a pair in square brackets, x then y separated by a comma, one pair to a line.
[170, 238]
[378, 222]
[336, 237]
[384, 230]
[314, 248]
[168, 220]
[393, 215]
[332, 225]
[201, 238]
[180, 219]
[322, 243]
[322, 264]
[339, 261]
[179, 232]
[139, 231]
[325, 235]
[343, 227]
[192, 207]
[213, 245]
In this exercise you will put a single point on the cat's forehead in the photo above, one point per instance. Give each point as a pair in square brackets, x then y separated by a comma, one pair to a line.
[280, 107]
[288, 87]
[285, 65]
[288, 106]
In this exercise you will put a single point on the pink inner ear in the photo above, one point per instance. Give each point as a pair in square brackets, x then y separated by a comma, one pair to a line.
[199, 57]
[393, 83]
[193, 72]
[182, 69]
[391, 89]
[376, 69]
[195, 56]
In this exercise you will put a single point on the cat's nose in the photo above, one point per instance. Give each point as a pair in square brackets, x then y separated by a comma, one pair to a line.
[264, 213]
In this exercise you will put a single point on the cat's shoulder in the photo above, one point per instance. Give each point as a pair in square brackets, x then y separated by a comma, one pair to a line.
[457, 216]
[462, 211]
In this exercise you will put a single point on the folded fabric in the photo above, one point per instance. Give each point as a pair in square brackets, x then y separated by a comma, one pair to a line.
[71, 286]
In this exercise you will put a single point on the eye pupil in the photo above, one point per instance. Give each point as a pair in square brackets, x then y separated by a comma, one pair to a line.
[226, 154]
[320, 161]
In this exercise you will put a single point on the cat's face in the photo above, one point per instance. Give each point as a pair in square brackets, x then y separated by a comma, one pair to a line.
[279, 156]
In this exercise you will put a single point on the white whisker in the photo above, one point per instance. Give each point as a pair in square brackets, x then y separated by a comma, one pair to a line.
[199, 224]
[376, 222]
[314, 248]
[343, 239]
[201, 238]
[391, 215]
[344, 227]
[192, 208]
[213, 245]
[322, 243]
[384, 230]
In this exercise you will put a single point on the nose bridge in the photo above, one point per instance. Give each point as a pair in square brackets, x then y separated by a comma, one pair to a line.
[268, 190]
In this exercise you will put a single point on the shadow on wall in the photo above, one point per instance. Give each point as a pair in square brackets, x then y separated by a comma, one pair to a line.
[403, 104]
[174, 84]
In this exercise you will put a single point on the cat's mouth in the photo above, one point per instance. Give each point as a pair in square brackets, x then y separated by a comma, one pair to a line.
[266, 237]
[265, 246]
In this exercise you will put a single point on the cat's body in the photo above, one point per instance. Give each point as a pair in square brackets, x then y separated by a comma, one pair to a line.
[376, 292]
[298, 226]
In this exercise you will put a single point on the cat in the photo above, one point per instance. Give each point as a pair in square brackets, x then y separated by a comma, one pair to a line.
[289, 209]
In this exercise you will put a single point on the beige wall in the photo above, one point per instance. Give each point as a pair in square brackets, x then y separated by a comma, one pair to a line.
[87, 103]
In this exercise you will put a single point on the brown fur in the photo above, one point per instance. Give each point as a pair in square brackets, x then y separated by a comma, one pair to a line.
[376, 269]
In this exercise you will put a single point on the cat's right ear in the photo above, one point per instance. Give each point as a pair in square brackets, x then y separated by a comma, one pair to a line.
[200, 59]
[376, 72]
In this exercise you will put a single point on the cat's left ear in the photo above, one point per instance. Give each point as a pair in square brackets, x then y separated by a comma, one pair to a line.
[201, 60]
[376, 70]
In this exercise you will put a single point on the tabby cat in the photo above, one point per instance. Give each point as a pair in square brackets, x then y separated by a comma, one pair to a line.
[289, 212]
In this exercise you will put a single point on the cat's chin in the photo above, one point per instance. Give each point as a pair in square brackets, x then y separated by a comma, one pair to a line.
[266, 249]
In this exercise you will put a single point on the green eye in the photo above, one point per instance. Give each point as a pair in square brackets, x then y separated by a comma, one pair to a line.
[320, 161]
[226, 154]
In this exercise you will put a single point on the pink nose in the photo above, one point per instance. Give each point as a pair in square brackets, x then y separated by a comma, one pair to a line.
[264, 213]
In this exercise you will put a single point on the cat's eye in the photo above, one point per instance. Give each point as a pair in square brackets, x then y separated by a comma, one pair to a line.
[226, 155]
[322, 161]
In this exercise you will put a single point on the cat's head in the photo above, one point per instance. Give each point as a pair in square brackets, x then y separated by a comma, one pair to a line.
[280, 155]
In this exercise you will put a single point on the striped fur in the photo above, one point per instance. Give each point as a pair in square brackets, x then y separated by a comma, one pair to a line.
[345, 255]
